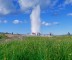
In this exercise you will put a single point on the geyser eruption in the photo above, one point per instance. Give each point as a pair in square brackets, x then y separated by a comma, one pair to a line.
[35, 19]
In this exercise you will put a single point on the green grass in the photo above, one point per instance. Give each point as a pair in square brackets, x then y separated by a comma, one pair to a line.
[37, 48]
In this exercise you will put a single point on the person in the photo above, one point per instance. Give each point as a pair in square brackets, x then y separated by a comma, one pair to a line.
[68, 33]
[12, 33]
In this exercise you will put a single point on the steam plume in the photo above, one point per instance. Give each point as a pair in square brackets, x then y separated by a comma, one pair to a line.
[35, 19]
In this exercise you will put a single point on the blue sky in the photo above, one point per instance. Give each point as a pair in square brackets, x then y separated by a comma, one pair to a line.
[56, 16]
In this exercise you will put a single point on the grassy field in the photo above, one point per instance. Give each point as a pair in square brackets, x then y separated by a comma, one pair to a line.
[37, 48]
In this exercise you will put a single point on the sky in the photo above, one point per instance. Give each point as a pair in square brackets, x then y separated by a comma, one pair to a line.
[55, 16]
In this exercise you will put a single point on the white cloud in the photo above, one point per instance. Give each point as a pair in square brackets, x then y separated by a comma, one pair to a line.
[5, 21]
[3, 10]
[20, 21]
[14, 21]
[6, 6]
[64, 4]
[54, 3]
[43, 22]
[26, 4]
[68, 1]
[55, 23]
[46, 23]
[69, 14]
[0, 21]
[49, 24]
[17, 21]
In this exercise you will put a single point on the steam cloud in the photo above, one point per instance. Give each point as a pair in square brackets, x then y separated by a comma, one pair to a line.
[14, 6]
[35, 19]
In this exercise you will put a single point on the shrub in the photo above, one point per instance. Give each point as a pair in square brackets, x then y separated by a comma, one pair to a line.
[3, 36]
